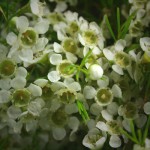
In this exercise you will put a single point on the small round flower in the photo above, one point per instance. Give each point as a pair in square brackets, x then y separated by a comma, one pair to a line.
[95, 139]
[104, 96]
[122, 59]
[66, 96]
[95, 72]
[29, 37]
[21, 97]
[64, 69]
[69, 45]
[7, 68]
[59, 117]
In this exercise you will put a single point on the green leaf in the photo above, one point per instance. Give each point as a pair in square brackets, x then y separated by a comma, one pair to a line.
[110, 28]
[82, 111]
[125, 26]
[131, 47]
[3, 13]
[118, 20]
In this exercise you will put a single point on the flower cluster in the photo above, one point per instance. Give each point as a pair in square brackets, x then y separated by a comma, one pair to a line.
[59, 76]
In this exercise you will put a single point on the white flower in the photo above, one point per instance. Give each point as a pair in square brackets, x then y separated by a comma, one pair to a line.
[95, 139]
[145, 44]
[95, 72]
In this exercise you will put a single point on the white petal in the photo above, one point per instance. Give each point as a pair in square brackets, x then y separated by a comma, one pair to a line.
[41, 82]
[53, 76]
[21, 71]
[103, 82]
[5, 84]
[57, 48]
[117, 91]
[11, 38]
[58, 133]
[14, 112]
[4, 96]
[147, 108]
[115, 141]
[91, 124]
[75, 86]
[108, 54]
[71, 57]
[35, 90]
[73, 123]
[106, 115]
[31, 125]
[145, 43]
[55, 59]
[18, 82]
[22, 23]
[60, 7]
[42, 27]
[89, 92]
[71, 108]
[95, 109]
[57, 86]
[34, 108]
[102, 126]
[117, 69]
[113, 108]
[141, 120]
[120, 45]
[26, 55]
[34, 7]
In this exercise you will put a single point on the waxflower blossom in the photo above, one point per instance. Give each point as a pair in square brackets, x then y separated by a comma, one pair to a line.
[72, 77]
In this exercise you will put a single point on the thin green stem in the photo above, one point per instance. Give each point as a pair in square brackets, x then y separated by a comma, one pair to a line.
[146, 130]
[133, 129]
[140, 136]
[128, 136]
[118, 21]
[110, 28]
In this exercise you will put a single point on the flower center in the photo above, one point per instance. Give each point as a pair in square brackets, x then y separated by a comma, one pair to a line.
[21, 97]
[69, 45]
[59, 117]
[104, 96]
[29, 37]
[90, 37]
[7, 67]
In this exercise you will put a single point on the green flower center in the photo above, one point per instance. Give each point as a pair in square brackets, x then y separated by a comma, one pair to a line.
[130, 110]
[66, 96]
[46, 93]
[7, 67]
[122, 59]
[59, 117]
[73, 28]
[64, 68]
[90, 37]
[104, 96]
[21, 97]
[69, 45]
[113, 127]
[29, 37]
[94, 138]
